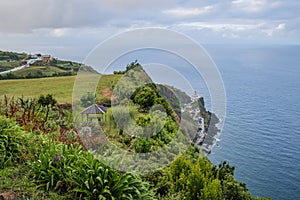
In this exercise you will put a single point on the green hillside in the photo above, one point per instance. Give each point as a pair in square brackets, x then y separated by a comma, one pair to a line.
[9, 56]
[44, 66]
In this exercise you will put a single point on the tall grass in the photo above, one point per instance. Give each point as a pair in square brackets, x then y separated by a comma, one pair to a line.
[66, 170]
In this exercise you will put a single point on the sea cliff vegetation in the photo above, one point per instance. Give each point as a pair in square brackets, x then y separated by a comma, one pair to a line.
[43, 157]
[48, 164]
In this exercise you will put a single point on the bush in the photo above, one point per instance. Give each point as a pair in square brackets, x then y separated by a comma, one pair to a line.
[145, 98]
[12, 142]
[64, 169]
[143, 145]
[88, 99]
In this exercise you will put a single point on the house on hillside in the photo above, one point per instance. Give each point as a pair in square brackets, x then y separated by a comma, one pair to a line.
[94, 111]
[46, 58]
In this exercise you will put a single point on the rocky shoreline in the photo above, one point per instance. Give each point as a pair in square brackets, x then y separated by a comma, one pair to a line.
[207, 131]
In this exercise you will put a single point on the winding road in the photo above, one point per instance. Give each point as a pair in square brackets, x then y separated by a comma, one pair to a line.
[28, 62]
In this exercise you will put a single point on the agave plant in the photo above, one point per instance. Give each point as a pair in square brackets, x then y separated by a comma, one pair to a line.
[71, 169]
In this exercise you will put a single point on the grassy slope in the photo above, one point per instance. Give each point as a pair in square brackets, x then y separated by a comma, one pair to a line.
[46, 70]
[9, 65]
[60, 87]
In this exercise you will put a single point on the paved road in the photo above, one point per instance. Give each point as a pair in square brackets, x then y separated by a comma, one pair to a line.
[28, 62]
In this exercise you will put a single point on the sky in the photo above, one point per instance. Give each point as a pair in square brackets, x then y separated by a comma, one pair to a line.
[71, 28]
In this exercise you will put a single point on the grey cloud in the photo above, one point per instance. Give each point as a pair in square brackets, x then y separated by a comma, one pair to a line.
[57, 17]
[26, 15]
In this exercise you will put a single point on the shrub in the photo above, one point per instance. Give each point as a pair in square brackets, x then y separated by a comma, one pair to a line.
[143, 145]
[64, 169]
[127, 139]
[12, 142]
[88, 99]
[145, 97]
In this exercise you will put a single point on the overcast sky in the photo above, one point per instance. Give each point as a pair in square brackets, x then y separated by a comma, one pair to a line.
[71, 28]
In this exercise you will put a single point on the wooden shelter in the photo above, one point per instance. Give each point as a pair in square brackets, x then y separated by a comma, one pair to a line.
[94, 110]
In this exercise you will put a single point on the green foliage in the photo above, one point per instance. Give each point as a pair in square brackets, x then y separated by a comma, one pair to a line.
[148, 96]
[163, 102]
[234, 190]
[143, 145]
[212, 190]
[74, 173]
[201, 105]
[11, 142]
[143, 120]
[64, 169]
[47, 100]
[191, 176]
[35, 117]
[127, 139]
[175, 99]
[130, 66]
[4, 55]
[39, 69]
[121, 117]
[88, 99]
[223, 170]
[145, 98]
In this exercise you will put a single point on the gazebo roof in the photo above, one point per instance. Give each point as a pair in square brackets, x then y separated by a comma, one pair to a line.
[94, 109]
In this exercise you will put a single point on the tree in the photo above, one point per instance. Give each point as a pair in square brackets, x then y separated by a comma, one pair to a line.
[145, 98]
[48, 102]
[88, 99]
[212, 191]
[143, 121]
[223, 169]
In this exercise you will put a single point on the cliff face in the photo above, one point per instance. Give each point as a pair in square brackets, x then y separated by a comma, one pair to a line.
[193, 116]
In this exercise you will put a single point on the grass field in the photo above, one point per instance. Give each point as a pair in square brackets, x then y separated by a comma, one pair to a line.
[60, 87]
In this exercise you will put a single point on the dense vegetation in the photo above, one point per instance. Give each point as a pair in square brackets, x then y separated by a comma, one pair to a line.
[43, 157]
[32, 161]
[153, 124]
[9, 56]
[39, 166]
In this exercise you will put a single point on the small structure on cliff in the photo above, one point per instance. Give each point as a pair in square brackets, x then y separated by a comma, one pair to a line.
[195, 96]
[94, 111]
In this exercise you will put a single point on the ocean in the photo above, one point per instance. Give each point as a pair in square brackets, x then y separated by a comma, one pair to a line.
[261, 134]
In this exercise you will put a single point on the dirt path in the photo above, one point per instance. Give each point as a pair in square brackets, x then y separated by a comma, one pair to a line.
[106, 92]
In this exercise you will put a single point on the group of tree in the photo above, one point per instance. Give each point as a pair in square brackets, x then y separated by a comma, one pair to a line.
[192, 176]
[63, 167]
[129, 67]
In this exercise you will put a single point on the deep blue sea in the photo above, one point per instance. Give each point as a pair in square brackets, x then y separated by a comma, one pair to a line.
[261, 134]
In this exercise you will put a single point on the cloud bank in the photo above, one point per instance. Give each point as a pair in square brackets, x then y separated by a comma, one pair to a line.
[42, 22]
